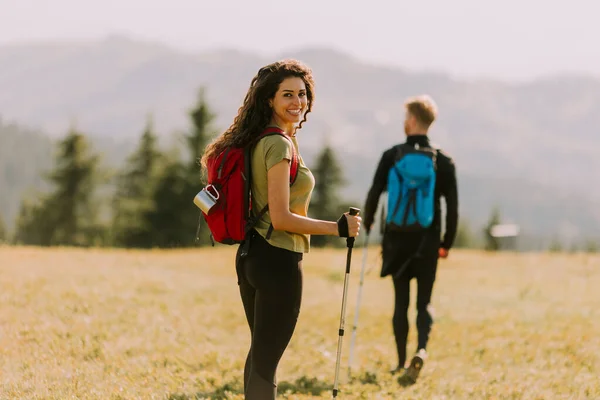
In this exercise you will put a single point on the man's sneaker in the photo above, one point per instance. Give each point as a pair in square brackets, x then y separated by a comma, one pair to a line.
[412, 372]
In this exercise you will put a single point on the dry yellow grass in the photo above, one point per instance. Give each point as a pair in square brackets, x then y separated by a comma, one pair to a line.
[110, 324]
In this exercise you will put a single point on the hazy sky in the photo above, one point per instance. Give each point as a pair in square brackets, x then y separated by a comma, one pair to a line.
[508, 39]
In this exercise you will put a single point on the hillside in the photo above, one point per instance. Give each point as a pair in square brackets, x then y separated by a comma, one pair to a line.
[527, 148]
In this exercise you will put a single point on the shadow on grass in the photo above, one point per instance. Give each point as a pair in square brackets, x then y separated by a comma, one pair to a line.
[366, 378]
[220, 392]
[303, 385]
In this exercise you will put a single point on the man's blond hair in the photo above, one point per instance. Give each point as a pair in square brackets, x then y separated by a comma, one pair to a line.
[423, 108]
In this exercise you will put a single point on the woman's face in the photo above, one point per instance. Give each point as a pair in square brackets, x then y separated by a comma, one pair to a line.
[289, 103]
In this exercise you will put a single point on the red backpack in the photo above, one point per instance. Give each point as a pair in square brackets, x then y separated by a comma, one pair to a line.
[230, 183]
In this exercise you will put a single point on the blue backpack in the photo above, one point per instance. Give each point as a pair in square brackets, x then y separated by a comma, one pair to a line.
[411, 189]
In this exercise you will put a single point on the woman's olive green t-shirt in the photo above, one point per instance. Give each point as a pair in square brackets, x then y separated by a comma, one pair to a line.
[269, 151]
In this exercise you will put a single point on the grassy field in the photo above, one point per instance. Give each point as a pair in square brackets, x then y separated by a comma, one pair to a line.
[109, 324]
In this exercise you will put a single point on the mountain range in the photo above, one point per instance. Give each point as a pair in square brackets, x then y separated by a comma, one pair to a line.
[526, 148]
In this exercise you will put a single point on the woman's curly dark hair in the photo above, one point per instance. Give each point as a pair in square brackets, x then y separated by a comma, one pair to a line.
[255, 113]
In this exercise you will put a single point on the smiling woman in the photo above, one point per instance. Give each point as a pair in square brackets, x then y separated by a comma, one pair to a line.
[288, 103]
[269, 261]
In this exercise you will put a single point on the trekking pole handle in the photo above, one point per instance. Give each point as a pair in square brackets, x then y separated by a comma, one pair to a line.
[352, 211]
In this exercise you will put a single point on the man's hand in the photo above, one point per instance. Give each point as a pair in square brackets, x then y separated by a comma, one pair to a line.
[443, 253]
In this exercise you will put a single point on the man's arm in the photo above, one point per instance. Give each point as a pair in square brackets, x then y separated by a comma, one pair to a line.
[450, 193]
[377, 187]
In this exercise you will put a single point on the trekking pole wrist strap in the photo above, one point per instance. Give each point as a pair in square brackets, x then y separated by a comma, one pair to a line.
[342, 224]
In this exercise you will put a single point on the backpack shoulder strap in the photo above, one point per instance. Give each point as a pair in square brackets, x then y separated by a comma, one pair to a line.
[293, 173]
[436, 152]
[294, 166]
[295, 161]
[399, 151]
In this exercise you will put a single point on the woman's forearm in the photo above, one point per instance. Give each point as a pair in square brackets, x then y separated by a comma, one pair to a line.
[298, 224]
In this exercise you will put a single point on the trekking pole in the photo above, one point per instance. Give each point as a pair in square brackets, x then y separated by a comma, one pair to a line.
[360, 286]
[350, 244]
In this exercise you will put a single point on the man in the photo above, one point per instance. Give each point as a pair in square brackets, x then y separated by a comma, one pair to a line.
[411, 249]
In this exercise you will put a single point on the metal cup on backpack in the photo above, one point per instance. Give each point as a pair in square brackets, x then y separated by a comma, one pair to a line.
[206, 198]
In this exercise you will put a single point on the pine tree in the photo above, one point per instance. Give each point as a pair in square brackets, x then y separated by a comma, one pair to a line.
[33, 226]
[67, 216]
[174, 219]
[167, 221]
[134, 196]
[325, 203]
[202, 133]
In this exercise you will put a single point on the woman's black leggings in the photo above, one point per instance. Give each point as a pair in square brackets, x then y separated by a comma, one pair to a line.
[270, 281]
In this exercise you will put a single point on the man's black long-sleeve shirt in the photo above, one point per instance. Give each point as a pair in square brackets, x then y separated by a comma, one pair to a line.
[445, 185]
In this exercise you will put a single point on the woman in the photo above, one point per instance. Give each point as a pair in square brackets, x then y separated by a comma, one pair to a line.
[270, 275]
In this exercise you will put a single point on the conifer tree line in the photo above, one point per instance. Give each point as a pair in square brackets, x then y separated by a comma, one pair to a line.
[148, 202]
[151, 201]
